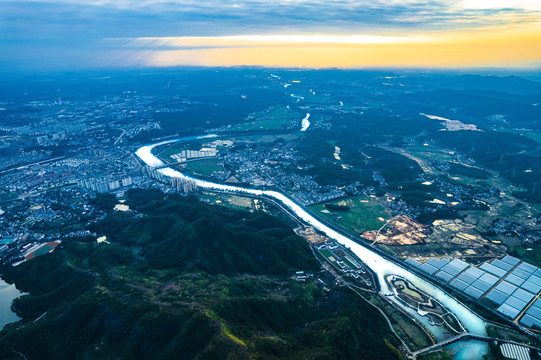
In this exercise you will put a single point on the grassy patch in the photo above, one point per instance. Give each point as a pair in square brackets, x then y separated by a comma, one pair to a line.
[350, 264]
[43, 250]
[230, 201]
[263, 138]
[534, 135]
[431, 153]
[165, 151]
[317, 99]
[326, 253]
[529, 253]
[224, 327]
[405, 327]
[364, 213]
[204, 167]
[276, 119]
[437, 355]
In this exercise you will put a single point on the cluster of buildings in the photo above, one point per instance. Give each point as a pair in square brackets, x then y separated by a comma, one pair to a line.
[343, 261]
[183, 185]
[104, 185]
[270, 165]
[99, 171]
[55, 155]
[179, 184]
[194, 154]
[449, 195]
[512, 228]
[45, 217]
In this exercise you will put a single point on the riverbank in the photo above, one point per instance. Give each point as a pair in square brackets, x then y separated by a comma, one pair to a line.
[377, 263]
[7, 294]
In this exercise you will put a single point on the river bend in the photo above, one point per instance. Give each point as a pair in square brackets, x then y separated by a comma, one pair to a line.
[377, 263]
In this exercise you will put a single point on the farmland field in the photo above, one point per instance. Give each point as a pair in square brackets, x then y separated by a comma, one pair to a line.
[326, 253]
[166, 151]
[365, 213]
[204, 167]
[276, 119]
[230, 201]
[530, 253]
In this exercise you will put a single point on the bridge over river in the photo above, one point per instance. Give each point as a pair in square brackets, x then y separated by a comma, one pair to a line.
[464, 337]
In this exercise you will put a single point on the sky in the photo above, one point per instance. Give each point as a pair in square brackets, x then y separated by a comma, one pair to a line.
[89, 34]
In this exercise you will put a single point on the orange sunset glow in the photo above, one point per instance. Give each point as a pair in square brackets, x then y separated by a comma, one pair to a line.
[519, 47]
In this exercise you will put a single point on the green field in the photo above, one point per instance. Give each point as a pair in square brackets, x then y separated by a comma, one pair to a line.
[316, 99]
[404, 326]
[170, 149]
[263, 138]
[423, 155]
[534, 135]
[326, 253]
[430, 153]
[361, 217]
[274, 120]
[166, 154]
[165, 151]
[43, 250]
[316, 118]
[231, 201]
[204, 167]
[77, 200]
[533, 255]
[350, 264]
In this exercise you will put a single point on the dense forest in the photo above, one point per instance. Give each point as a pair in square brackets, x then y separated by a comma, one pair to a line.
[185, 280]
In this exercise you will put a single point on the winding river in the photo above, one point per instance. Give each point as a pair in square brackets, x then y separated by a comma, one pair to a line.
[378, 264]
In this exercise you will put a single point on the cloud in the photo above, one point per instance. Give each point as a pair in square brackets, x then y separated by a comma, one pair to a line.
[511, 49]
[527, 5]
[73, 31]
[133, 18]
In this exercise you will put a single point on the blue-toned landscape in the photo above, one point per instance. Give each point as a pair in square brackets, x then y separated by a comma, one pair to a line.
[270, 180]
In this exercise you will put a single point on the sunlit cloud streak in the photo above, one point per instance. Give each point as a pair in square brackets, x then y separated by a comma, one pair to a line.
[483, 48]
[75, 33]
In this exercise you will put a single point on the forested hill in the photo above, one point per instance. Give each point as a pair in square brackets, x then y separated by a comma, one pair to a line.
[184, 280]
[189, 235]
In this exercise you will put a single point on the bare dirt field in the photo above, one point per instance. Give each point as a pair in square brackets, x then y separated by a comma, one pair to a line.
[402, 230]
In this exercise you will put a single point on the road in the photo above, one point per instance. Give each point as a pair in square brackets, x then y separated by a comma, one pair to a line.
[381, 228]
[120, 137]
[32, 164]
